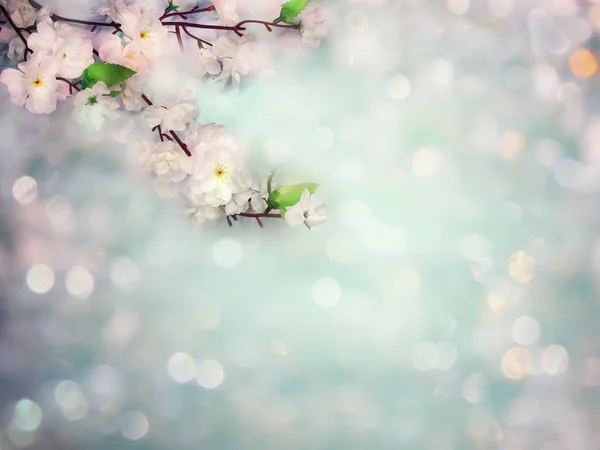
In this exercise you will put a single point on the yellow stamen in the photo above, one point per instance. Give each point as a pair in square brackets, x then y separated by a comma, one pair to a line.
[37, 82]
[220, 171]
[144, 34]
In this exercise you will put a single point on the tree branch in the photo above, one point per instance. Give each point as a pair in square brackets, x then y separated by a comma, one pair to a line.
[183, 14]
[95, 24]
[71, 85]
[177, 139]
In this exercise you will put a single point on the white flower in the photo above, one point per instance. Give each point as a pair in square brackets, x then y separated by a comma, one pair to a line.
[112, 51]
[258, 194]
[174, 117]
[164, 159]
[207, 62]
[197, 210]
[70, 48]
[238, 204]
[219, 177]
[313, 25]
[114, 9]
[33, 85]
[44, 16]
[240, 58]
[144, 30]
[216, 165]
[93, 106]
[21, 12]
[131, 94]
[16, 49]
[227, 11]
[306, 211]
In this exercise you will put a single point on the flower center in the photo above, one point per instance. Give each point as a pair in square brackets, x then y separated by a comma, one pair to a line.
[220, 171]
[64, 56]
[37, 82]
[144, 34]
[93, 100]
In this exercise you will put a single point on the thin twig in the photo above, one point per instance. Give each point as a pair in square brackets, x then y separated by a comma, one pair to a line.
[177, 139]
[186, 13]
[200, 25]
[71, 85]
[56, 17]
[179, 40]
[195, 37]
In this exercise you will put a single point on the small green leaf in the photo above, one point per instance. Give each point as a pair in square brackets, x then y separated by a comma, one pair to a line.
[291, 9]
[286, 196]
[110, 74]
[114, 94]
[171, 7]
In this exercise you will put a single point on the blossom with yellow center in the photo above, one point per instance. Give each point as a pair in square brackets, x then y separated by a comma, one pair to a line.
[220, 172]
[37, 82]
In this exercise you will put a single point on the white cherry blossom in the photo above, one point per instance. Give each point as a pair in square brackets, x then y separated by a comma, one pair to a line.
[21, 12]
[109, 8]
[164, 159]
[197, 210]
[258, 193]
[306, 211]
[93, 106]
[219, 177]
[16, 49]
[70, 48]
[314, 25]
[240, 57]
[174, 117]
[131, 94]
[145, 31]
[33, 85]
[112, 51]
[207, 62]
[227, 10]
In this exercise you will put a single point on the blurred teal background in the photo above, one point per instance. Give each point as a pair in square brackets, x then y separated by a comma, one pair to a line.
[450, 302]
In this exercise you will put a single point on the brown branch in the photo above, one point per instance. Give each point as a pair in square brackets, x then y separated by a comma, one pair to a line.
[95, 24]
[256, 216]
[267, 25]
[179, 40]
[179, 141]
[71, 85]
[183, 14]
[195, 37]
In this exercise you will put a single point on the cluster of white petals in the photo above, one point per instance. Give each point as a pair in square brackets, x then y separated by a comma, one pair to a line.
[314, 25]
[307, 211]
[201, 163]
[59, 50]
[240, 57]
[70, 49]
[93, 106]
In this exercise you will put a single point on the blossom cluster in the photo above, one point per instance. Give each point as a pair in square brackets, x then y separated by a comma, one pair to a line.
[57, 60]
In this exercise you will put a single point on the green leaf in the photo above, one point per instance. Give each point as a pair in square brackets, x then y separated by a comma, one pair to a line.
[291, 9]
[171, 7]
[110, 74]
[114, 94]
[285, 196]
